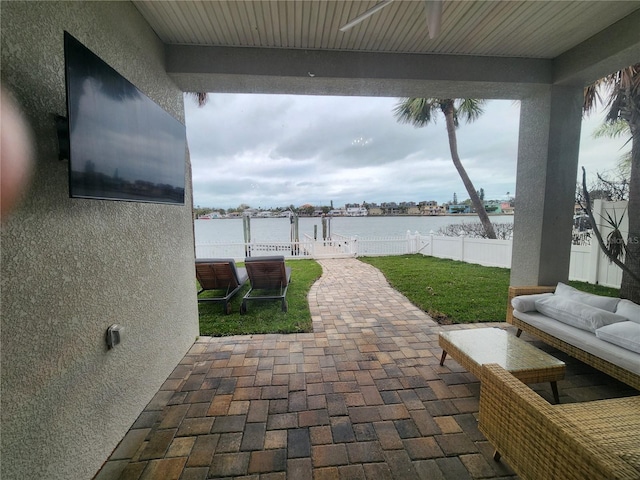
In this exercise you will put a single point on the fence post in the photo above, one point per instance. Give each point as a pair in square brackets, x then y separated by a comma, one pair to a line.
[594, 254]
[354, 245]
[509, 253]
[431, 243]
[462, 247]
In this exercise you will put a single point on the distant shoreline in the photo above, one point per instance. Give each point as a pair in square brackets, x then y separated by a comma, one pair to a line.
[370, 216]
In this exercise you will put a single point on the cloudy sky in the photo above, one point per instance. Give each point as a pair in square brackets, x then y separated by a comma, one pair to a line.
[271, 151]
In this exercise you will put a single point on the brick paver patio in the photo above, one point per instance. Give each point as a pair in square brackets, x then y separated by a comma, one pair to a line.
[362, 397]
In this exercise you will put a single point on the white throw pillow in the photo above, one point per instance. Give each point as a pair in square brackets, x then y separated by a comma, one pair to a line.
[623, 334]
[605, 303]
[527, 303]
[576, 314]
[628, 309]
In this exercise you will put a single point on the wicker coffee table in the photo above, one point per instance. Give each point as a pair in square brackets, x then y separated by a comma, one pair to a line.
[472, 348]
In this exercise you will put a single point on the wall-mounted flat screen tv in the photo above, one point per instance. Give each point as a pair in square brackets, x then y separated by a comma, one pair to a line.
[122, 145]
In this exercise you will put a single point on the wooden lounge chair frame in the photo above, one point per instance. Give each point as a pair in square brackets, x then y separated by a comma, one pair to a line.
[220, 274]
[268, 274]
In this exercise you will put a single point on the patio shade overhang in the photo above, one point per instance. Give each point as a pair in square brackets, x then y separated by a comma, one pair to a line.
[489, 49]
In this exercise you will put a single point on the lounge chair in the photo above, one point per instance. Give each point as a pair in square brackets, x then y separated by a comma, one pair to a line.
[220, 274]
[269, 279]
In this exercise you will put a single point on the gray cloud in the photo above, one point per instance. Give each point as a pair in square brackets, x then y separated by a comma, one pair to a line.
[275, 150]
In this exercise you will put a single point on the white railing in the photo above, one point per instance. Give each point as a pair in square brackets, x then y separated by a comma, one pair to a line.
[379, 246]
[343, 244]
[239, 251]
[587, 262]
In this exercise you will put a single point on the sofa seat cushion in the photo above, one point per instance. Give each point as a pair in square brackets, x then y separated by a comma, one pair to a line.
[583, 340]
[628, 309]
[598, 301]
[527, 303]
[576, 314]
[624, 334]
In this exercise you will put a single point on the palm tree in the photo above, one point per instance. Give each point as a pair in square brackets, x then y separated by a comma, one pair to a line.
[623, 103]
[421, 111]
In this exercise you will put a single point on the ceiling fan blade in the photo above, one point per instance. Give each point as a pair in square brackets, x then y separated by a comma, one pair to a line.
[365, 15]
[433, 8]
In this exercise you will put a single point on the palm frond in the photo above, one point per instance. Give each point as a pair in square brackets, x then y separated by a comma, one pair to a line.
[200, 98]
[615, 92]
[420, 111]
[612, 130]
[416, 111]
[592, 97]
[624, 164]
[470, 109]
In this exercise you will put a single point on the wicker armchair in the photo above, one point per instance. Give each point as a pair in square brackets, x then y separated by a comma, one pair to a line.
[599, 439]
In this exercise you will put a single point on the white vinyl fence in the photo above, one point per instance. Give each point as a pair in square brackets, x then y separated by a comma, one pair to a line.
[490, 253]
[588, 263]
[392, 245]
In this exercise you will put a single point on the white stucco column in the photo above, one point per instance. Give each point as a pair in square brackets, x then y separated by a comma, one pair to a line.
[550, 122]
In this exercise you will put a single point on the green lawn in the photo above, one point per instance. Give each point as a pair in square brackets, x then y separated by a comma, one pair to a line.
[455, 292]
[264, 316]
[449, 291]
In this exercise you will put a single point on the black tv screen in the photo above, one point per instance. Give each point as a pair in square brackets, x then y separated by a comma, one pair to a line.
[122, 145]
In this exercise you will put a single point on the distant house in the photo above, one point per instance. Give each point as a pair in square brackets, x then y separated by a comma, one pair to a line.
[431, 207]
[506, 208]
[390, 208]
[356, 211]
[459, 208]
[375, 210]
[493, 206]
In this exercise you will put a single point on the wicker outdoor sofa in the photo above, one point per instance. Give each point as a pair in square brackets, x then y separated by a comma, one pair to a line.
[589, 440]
[571, 343]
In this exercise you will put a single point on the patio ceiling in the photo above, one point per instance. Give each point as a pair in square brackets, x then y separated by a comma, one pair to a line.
[485, 48]
[527, 29]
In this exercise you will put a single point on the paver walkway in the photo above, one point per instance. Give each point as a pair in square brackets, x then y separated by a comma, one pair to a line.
[362, 397]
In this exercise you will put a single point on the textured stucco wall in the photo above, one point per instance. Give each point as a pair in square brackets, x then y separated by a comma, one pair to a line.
[550, 122]
[70, 268]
